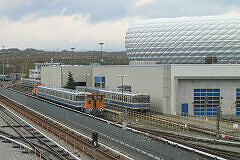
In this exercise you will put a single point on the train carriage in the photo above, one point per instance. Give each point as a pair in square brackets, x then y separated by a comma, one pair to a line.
[131, 100]
[84, 101]
[28, 82]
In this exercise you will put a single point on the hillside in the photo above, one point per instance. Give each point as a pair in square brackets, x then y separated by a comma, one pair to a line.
[16, 60]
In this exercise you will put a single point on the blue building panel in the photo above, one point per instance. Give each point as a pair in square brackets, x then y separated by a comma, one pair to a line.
[97, 79]
[197, 90]
[201, 111]
[103, 79]
[197, 94]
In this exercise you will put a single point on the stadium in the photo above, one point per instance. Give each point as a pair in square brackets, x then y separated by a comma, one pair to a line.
[188, 65]
[185, 40]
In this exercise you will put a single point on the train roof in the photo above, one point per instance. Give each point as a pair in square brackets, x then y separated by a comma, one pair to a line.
[64, 90]
[116, 92]
[30, 80]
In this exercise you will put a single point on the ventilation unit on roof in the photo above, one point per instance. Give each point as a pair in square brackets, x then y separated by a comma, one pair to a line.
[211, 60]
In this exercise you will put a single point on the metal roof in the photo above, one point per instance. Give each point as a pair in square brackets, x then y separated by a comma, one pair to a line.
[71, 91]
[113, 91]
[185, 40]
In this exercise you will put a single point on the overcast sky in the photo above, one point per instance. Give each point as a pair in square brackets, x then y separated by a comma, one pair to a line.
[62, 24]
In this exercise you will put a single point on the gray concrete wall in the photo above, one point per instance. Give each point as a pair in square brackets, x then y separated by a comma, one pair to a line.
[223, 76]
[51, 75]
[227, 92]
[145, 79]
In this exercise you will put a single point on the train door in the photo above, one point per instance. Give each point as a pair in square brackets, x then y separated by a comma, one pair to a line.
[185, 109]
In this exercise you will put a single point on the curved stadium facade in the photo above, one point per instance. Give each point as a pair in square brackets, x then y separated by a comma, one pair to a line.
[185, 40]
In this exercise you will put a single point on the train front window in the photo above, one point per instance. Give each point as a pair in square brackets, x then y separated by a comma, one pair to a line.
[135, 99]
[99, 97]
[141, 99]
[144, 99]
[80, 98]
[90, 97]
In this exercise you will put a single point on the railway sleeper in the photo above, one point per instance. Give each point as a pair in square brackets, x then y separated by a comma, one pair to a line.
[25, 152]
[60, 151]
[65, 154]
[53, 145]
[27, 137]
[19, 126]
[36, 133]
[16, 146]
[46, 140]
[6, 141]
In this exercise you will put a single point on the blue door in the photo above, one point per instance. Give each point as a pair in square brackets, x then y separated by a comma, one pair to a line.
[238, 111]
[184, 109]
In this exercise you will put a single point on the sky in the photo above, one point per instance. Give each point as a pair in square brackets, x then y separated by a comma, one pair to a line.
[56, 25]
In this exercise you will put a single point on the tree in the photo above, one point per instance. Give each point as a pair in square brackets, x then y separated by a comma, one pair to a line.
[26, 68]
[70, 84]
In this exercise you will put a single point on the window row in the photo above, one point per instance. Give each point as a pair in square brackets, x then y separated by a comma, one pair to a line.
[61, 94]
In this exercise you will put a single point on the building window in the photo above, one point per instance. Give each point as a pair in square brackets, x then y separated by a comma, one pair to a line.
[206, 101]
[237, 102]
[99, 81]
[237, 97]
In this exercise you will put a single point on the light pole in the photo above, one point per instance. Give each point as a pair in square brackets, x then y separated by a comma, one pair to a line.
[3, 62]
[87, 74]
[72, 55]
[206, 106]
[122, 76]
[219, 117]
[61, 74]
[101, 58]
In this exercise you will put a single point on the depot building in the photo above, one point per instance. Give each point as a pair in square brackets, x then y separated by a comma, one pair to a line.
[173, 88]
[188, 65]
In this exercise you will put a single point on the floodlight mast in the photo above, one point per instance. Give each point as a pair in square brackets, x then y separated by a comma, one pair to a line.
[122, 76]
[72, 55]
[101, 58]
[3, 71]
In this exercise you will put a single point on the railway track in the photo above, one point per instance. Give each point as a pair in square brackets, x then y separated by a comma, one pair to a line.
[230, 120]
[62, 132]
[38, 142]
[169, 123]
[180, 139]
[231, 155]
[164, 121]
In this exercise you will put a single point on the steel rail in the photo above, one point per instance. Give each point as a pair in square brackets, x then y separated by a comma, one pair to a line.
[31, 143]
[72, 155]
[103, 151]
[140, 132]
[176, 138]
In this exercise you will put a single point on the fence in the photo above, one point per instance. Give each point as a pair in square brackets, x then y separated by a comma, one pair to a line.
[127, 142]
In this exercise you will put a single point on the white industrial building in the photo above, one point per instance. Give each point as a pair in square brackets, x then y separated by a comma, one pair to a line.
[173, 88]
[36, 72]
[174, 51]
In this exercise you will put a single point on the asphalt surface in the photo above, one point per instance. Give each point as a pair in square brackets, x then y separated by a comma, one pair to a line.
[127, 142]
